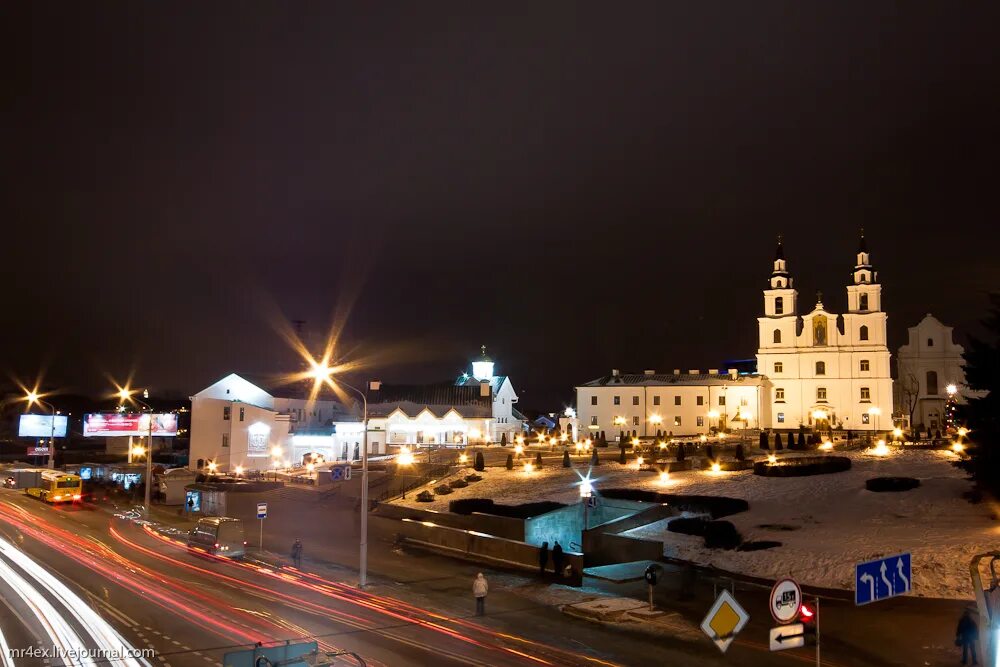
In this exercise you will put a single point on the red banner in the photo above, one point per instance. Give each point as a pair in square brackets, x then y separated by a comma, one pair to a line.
[109, 424]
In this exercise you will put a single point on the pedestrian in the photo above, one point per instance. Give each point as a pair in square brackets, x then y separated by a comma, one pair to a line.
[557, 559]
[479, 590]
[543, 558]
[297, 553]
[966, 636]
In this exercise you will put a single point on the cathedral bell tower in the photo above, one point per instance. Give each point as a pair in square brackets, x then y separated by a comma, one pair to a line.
[864, 295]
[780, 298]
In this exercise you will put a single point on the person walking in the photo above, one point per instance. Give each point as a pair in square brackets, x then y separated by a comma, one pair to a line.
[557, 559]
[966, 636]
[479, 590]
[297, 553]
[543, 558]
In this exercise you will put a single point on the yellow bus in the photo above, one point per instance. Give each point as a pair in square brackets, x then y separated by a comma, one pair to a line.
[57, 487]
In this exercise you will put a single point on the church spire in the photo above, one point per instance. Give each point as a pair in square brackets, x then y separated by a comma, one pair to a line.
[779, 252]
[779, 275]
[862, 244]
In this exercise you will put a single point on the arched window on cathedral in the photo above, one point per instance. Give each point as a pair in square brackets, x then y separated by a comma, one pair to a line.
[863, 302]
[779, 305]
[820, 368]
[932, 382]
[777, 335]
[863, 333]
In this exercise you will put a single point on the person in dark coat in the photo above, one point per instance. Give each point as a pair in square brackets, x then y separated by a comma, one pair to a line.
[557, 558]
[297, 553]
[966, 636]
[543, 558]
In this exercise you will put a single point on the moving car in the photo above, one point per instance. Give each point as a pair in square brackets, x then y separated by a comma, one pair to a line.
[219, 536]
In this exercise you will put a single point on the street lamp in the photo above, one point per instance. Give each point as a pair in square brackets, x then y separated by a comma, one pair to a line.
[321, 372]
[34, 397]
[126, 394]
[586, 492]
[874, 411]
[713, 414]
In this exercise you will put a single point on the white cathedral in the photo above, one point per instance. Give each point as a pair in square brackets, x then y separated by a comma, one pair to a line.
[820, 370]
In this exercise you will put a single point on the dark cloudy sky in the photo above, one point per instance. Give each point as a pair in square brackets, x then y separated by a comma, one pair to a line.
[578, 188]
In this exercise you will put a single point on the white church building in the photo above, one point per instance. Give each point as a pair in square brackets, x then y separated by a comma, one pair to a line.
[819, 370]
[930, 374]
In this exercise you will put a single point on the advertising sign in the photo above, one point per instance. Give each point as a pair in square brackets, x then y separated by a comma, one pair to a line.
[193, 501]
[257, 438]
[38, 451]
[110, 424]
[40, 426]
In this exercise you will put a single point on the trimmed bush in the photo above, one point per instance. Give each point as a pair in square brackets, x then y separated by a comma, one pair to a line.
[722, 535]
[891, 484]
[764, 444]
[735, 465]
[680, 452]
[487, 506]
[595, 460]
[603, 442]
[802, 440]
[442, 489]
[758, 545]
[566, 462]
[709, 454]
[510, 462]
[621, 455]
[470, 505]
[715, 506]
[473, 478]
[458, 484]
[803, 467]
[503, 439]
[688, 525]
[426, 496]
[740, 456]
[480, 463]
[777, 442]
[538, 460]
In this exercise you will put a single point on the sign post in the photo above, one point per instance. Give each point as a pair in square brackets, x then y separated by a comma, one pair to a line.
[261, 514]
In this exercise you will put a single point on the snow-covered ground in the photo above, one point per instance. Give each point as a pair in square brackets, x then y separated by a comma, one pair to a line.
[826, 523]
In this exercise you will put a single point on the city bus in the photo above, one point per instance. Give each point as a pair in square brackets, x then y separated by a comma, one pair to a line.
[57, 487]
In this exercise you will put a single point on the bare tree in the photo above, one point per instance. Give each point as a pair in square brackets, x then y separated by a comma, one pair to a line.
[909, 390]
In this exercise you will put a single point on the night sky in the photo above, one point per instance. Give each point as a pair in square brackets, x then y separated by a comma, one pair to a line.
[578, 189]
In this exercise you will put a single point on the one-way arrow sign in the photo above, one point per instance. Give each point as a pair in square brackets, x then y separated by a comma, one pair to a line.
[788, 636]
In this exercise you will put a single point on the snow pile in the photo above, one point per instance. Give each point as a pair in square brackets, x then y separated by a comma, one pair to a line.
[826, 523]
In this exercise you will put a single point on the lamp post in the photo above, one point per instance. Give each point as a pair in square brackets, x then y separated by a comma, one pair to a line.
[586, 492]
[874, 411]
[125, 394]
[322, 372]
[33, 397]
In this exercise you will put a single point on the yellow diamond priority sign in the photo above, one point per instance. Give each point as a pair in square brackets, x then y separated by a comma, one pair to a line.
[724, 620]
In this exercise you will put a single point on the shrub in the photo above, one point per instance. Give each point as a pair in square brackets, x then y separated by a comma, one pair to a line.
[538, 459]
[803, 467]
[688, 525]
[802, 440]
[510, 462]
[595, 460]
[740, 456]
[603, 442]
[458, 484]
[709, 454]
[892, 484]
[763, 441]
[473, 478]
[680, 452]
[621, 455]
[758, 545]
[777, 442]
[425, 497]
[722, 535]
[442, 489]
[503, 440]
[566, 462]
[480, 463]
[715, 506]
[470, 505]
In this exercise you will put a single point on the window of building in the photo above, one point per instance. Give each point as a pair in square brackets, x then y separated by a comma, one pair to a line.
[241, 413]
[225, 439]
[778, 367]
[677, 400]
[593, 400]
[618, 400]
[781, 417]
[635, 421]
[779, 394]
[866, 418]
[635, 400]
[866, 394]
[779, 308]
[820, 393]
[700, 400]
[226, 412]
[699, 421]
[677, 421]
[744, 402]
[930, 342]
[722, 400]
[865, 366]
[656, 400]
[863, 302]
[593, 420]
[777, 335]
[932, 382]
[863, 333]
[820, 368]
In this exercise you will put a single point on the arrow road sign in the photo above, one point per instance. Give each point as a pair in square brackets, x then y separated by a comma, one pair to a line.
[787, 636]
[340, 473]
[261, 510]
[724, 620]
[786, 600]
[881, 579]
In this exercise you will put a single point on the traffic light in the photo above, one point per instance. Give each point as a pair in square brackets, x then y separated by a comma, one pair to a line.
[807, 616]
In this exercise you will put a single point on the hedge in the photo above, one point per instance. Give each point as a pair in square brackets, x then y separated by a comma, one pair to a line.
[802, 466]
[891, 484]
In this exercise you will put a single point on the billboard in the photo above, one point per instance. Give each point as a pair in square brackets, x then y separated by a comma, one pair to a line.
[38, 451]
[40, 426]
[258, 436]
[110, 424]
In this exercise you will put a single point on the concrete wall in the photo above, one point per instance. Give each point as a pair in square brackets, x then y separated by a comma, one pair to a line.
[498, 526]
[604, 544]
[562, 525]
[476, 546]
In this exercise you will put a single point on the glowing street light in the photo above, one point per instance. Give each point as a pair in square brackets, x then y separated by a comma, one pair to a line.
[138, 450]
[639, 461]
[772, 459]
[310, 466]
[519, 449]
[529, 466]
[716, 467]
[32, 396]
[897, 433]
[880, 448]
[276, 452]
[405, 457]
[664, 478]
[874, 411]
[962, 431]
[238, 470]
[827, 445]
[957, 447]
[951, 389]
[463, 458]
[635, 442]
[212, 466]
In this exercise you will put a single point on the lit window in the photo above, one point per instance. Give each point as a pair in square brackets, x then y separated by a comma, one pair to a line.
[699, 421]
[677, 421]
[593, 420]
[781, 417]
[635, 421]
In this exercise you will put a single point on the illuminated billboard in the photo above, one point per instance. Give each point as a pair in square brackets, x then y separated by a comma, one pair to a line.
[111, 424]
[40, 426]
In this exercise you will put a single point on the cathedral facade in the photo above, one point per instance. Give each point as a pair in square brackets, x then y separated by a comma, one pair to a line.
[826, 370]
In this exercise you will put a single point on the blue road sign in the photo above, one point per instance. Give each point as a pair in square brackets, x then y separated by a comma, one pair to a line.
[881, 579]
[340, 473]
[261, 510]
